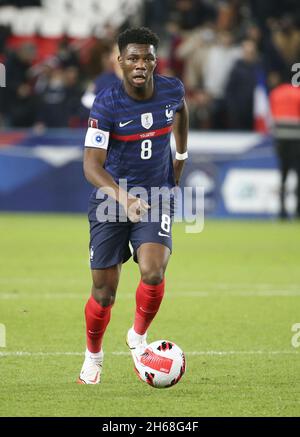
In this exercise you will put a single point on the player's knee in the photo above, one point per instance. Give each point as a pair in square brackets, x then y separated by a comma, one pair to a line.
[153, 277]
[104, 295]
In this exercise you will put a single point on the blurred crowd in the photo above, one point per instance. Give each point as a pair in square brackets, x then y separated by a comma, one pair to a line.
[220, 49]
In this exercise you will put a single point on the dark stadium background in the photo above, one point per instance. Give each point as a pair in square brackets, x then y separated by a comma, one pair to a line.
[229, 54]
[232, 299]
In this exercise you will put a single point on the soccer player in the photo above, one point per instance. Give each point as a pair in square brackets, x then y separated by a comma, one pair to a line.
[128, 139]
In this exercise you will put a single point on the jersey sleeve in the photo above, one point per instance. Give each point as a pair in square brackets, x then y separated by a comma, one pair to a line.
[181, 94]
[100, 122]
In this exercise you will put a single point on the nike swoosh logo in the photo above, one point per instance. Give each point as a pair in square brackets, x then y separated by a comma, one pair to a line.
[144, 311]
[163, 235]
[124, 124]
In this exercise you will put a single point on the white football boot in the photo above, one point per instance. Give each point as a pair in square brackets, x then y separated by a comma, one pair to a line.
[137, 344]
[91, 369]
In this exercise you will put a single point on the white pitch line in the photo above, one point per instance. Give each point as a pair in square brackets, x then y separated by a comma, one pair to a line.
[193, 353]
[170, 295]
[210, 285]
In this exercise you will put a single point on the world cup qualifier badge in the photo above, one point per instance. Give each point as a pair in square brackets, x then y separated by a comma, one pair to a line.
[93, 122]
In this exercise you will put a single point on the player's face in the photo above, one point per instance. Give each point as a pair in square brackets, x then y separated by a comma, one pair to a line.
[138, 62]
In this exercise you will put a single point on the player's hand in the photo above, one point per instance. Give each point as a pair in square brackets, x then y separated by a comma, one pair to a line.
[136, 209]
[178, 168]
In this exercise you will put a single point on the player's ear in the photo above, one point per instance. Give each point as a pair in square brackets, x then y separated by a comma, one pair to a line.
[120, 60]
[155, 59]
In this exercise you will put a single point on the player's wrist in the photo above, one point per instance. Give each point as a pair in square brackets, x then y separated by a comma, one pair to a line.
[124, 198]
[181, 156]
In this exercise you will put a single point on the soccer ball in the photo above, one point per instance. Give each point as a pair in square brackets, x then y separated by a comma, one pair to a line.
[162, 364]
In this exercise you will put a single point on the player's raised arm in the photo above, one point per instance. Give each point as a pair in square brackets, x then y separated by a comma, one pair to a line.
[180, 130]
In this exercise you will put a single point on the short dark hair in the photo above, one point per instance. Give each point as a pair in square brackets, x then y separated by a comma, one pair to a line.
[137, 35]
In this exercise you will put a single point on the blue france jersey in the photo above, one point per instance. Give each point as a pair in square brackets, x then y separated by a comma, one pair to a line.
[136, 133]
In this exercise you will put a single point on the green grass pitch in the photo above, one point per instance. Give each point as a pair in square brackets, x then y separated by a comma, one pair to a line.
[232, 297]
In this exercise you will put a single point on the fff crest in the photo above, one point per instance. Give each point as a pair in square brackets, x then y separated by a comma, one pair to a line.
[147, 120]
